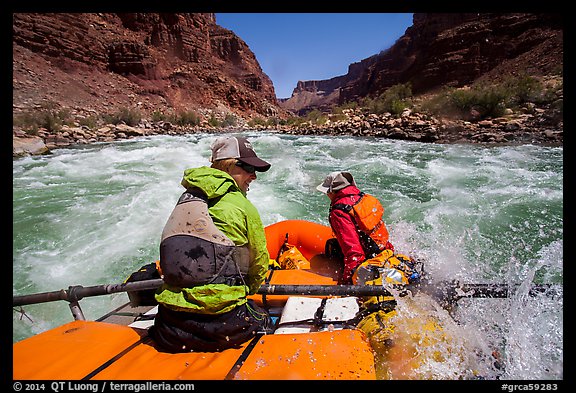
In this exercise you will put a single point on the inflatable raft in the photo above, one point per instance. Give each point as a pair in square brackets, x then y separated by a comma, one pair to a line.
[323, 331]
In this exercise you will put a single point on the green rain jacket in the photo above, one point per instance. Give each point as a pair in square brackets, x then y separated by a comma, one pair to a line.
[238, 219]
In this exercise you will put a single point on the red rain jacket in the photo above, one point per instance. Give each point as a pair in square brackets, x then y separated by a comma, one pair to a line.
[345, 231]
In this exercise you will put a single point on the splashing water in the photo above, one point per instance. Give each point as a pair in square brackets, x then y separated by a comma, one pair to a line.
[93, 214]
[427, 343]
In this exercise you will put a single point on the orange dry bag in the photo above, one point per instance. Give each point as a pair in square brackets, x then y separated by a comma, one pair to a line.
[289, 257]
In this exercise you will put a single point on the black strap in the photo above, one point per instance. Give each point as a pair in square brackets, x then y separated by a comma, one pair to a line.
[281, 249]
[346, 207]
[320, 312]
[143, 340]
[192, 194]
[266, 282]
[341, 206]
[240, 361]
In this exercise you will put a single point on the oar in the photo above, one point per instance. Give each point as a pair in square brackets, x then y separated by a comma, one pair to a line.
[77, 292]
[324, 290]
[449, 292]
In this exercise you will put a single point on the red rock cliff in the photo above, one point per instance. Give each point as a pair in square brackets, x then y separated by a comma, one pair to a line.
[152, 61]
[452, 49]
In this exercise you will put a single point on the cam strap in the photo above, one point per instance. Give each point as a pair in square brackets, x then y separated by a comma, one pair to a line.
[320, 313]
[245, 353]
[267, 282]
[143, 340]
[346, 207]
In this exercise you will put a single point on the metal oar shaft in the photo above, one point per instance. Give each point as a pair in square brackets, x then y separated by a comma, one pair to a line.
[78, 292]
[39, 298]
[454, 291]
[323, 290]
[449, 292]
[75, 293]
[500, 290]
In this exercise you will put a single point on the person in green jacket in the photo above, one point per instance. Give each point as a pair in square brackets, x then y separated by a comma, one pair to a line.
[213, 255]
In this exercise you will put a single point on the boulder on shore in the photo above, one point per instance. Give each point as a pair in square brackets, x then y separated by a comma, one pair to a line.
[29, 145]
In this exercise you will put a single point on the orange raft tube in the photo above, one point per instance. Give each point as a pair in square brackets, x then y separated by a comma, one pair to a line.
[108, 351]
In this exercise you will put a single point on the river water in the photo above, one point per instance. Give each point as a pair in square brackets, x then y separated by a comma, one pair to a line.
[93, 214]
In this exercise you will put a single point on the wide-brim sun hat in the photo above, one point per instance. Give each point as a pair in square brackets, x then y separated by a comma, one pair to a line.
[336, 181]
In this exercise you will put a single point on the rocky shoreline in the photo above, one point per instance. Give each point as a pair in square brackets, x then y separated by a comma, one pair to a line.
[528, 128]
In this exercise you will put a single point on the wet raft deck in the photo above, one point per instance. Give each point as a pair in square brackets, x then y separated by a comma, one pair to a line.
[96, 350]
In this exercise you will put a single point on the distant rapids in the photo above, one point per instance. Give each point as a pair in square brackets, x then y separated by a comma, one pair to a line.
[93, 214]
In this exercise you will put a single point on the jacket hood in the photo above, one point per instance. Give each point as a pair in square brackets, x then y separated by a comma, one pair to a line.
[213, 182]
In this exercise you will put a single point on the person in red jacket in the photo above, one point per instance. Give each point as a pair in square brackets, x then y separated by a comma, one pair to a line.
[356, 244]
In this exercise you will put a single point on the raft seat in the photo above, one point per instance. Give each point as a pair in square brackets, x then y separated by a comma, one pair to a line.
[306, 314]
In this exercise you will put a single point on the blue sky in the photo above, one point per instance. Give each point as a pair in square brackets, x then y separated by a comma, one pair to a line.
[316, 46]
